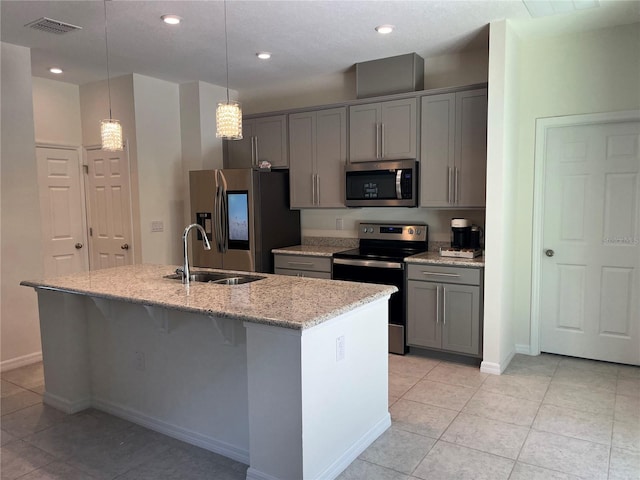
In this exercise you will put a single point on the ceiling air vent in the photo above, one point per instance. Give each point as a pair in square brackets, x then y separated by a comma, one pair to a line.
[52, 26]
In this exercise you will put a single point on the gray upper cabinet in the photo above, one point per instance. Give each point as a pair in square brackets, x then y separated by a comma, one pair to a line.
[317, 151]
[383, 130]
[453, 149]
[264, 138]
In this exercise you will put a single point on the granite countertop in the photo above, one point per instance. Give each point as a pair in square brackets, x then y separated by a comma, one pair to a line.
[284, 301]
[434, 258]
[310, 250]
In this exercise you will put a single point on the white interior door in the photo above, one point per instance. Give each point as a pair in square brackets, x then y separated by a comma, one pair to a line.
[109, 209]
[61, 211]
[589, 283]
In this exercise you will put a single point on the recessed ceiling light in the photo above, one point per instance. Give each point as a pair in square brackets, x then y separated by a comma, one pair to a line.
[55, 70]
[171, 19]
[384, 29]
[263, 55]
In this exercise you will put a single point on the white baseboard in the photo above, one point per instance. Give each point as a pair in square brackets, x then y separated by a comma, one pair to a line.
[65, 405]
[523, 349]
[337, 467]
[497, 368]
[18, 362]
[189, 436]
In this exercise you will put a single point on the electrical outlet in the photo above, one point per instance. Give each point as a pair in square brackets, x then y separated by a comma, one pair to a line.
[138, 361]
[339, 224]
[157, 226]
[340, 348]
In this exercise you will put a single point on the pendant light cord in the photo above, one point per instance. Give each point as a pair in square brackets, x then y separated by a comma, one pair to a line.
[106, 48]
[226, 47]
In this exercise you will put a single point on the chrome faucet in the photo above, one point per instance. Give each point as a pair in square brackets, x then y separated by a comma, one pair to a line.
[207, 246]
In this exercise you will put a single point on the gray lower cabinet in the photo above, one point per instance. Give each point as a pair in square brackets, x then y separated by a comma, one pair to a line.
[302, 265]
[444, 308]
[263, 138]
[318, 153]
[453, 149]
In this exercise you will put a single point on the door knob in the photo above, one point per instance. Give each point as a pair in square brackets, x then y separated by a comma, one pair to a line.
[125, 246]
[549, 252]
[78, 245]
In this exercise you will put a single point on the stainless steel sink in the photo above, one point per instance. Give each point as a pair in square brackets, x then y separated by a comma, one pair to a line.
[214, 277]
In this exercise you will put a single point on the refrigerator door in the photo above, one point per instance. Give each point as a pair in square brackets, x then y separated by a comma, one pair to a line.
[202, 193]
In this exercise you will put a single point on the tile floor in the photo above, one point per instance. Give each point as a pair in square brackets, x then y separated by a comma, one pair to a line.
[547, 417]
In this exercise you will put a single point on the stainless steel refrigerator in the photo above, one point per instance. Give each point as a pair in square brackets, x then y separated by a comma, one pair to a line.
[245, 213]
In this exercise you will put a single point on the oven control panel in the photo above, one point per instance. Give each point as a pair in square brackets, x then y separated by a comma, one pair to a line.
[393, 231]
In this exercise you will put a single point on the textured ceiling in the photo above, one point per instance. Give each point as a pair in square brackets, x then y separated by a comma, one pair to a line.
[307, 37]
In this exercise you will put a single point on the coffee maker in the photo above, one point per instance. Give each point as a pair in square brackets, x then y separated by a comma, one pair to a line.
[460, 233]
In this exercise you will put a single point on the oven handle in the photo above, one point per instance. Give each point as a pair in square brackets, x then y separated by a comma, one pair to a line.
[369, 263]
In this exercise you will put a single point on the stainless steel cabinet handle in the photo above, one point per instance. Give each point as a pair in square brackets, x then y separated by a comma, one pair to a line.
[318, 188]
[549, 253]
[257, 154]
[124, 246]
[449, 184]
[444, 305]
[78, 245]
[313, 189]
[382, 152]
[377, 141]
[441, 274]
[437, 303]
[455, 186]
[304, 264]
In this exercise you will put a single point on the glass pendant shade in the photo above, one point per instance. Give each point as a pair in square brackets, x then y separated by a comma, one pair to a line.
[229, 121]
[111, 133]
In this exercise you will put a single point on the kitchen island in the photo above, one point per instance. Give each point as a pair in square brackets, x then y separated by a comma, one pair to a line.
[286, 374]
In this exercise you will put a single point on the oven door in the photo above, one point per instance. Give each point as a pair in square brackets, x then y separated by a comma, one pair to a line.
[385, 273]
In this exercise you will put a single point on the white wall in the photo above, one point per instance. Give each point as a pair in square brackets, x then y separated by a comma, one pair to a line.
[56, 112]
[500, 250]
[159, 156]
[456, 69]
[20, 211]
[595, 71]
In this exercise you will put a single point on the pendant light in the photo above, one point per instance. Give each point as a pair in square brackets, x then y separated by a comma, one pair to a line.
[228, 114]
[110, 129]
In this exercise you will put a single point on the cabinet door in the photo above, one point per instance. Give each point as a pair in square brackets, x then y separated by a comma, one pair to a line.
[239, 153]
[302, 150]
[437, 150]
[331, 156]
[364, 140]
[471, 148]
[271, 135]
[461, 319]
[423, 329]
[399, 129]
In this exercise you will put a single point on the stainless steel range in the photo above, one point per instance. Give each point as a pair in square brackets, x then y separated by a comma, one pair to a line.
[380, 259]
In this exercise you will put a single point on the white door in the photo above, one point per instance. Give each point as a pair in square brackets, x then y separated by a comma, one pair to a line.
[109, 209]
[61, 211]
[590, 279]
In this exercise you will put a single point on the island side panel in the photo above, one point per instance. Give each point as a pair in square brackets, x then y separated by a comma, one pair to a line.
[65, 352]
[312, 411]
[182, 374]
[345, 397]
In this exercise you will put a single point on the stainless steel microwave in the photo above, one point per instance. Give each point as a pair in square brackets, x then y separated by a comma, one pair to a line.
[382, 184]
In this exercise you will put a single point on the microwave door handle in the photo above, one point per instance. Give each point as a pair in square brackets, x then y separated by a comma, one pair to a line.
[399, 184]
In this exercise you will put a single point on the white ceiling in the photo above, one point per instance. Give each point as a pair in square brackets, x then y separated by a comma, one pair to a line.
[306, 37]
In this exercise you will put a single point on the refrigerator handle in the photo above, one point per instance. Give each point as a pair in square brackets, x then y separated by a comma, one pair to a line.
[224, 212]
[216, 213]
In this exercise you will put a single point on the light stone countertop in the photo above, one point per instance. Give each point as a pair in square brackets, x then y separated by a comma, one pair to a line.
[310, 250]
[284, 301]
[434, 258]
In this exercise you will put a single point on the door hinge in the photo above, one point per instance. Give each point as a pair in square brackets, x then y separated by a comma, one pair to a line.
[85, 168]
[90, 232]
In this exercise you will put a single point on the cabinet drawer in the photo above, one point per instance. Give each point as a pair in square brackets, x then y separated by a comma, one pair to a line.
[436, 273]
[303, 262]
[303, 273]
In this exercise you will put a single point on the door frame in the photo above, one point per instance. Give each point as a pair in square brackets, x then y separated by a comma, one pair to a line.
[83, 204]
[542, 126]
